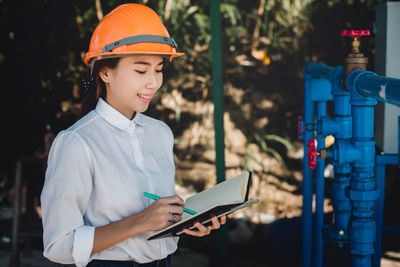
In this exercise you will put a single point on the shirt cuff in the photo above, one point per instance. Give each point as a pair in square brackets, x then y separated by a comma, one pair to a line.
[83, 245]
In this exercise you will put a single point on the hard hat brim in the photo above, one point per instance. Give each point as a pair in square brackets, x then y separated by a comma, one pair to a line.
[88, 60]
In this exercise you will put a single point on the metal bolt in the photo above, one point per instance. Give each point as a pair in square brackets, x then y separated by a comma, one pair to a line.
[308, 127]
[323, 153]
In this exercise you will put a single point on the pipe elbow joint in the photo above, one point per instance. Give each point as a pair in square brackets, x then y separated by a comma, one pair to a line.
[335, 76]
[351, 84]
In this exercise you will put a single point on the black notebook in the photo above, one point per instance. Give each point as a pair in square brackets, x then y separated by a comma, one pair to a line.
[222, 199]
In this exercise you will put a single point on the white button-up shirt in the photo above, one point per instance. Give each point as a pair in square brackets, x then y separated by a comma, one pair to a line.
[97, 172]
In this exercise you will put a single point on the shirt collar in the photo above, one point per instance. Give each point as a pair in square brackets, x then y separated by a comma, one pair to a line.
[115, 118]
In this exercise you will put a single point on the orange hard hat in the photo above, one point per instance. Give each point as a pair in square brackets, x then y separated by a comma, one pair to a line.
[130, 29]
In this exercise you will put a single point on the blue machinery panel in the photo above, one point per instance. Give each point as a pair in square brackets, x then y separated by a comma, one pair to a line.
[354, 238]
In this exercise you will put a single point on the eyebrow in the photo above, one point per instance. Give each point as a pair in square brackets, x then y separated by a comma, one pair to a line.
[147, 63]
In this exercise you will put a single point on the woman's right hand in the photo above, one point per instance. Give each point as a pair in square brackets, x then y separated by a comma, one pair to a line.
[160, 213]
[155, 217]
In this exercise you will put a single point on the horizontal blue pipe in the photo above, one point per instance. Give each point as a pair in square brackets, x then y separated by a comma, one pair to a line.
[382, 88]
[387, 159]
[391, 230]
[318, 70]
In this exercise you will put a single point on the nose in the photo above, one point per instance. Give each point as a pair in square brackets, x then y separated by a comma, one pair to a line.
[152, 81]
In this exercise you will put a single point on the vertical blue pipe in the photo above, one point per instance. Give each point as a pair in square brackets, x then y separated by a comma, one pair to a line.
[307, 177]
[381, 162]
[362, 228]
[380, 180]
[319, 192]
[342, 114]
[341, 203]
[362, 191]
[337, 231]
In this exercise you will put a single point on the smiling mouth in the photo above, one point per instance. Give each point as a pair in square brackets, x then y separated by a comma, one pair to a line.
[145, 96]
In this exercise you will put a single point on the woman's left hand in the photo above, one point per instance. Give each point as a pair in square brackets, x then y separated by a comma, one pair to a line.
[205, 230]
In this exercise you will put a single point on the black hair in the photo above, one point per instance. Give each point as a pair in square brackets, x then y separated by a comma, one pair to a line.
[95, 87]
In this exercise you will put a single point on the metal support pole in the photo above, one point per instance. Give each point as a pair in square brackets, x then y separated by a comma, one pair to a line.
[218, 116]
[319, 192]
[307, 176]
[217, 89]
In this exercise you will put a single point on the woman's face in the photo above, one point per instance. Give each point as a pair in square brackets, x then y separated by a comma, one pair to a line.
[132, 84]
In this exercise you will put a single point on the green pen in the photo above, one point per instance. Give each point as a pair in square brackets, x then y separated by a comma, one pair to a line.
[155, 197]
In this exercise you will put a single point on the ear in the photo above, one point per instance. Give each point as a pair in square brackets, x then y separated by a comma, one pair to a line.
[104, 75]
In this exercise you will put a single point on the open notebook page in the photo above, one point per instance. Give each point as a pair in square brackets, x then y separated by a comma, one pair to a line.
[228, 192]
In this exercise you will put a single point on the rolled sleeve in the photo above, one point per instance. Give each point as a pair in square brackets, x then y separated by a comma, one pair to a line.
[83, 245]
[65, 197]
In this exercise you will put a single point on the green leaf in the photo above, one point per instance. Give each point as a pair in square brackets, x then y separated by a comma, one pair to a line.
[281, 140]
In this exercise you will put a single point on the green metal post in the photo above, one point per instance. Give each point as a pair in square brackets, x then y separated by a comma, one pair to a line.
[218, 117]
[217, 89]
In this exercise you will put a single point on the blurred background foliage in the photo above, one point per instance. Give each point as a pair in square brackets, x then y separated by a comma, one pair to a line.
[265, 46]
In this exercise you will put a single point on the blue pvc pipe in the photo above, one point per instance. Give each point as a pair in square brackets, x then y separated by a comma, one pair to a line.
[319, 70]
[365, 87]
[381, 162]
[341, 203]
[341, 181]
[369, 84]
[319, 192]
[379, 209]
[307, 177]
[363, 191]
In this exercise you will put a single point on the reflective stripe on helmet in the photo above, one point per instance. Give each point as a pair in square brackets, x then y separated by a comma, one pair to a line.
[140, 39]
[134, 40]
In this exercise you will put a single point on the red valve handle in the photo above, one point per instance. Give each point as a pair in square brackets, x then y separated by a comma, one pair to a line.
[311, 154]
[355, 33]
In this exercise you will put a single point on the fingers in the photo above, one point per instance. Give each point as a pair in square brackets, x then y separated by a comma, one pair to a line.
[173, 204]
[173, 200]
[203, 230]
[192, 233]
[175, 209]
[215, 222]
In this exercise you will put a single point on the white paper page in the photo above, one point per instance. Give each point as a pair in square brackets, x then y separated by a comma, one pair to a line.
[228, 192]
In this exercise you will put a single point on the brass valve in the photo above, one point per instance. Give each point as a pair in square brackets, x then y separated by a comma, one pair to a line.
[355, 60]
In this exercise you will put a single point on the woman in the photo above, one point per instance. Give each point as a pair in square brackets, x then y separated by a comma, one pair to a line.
[93, 207]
